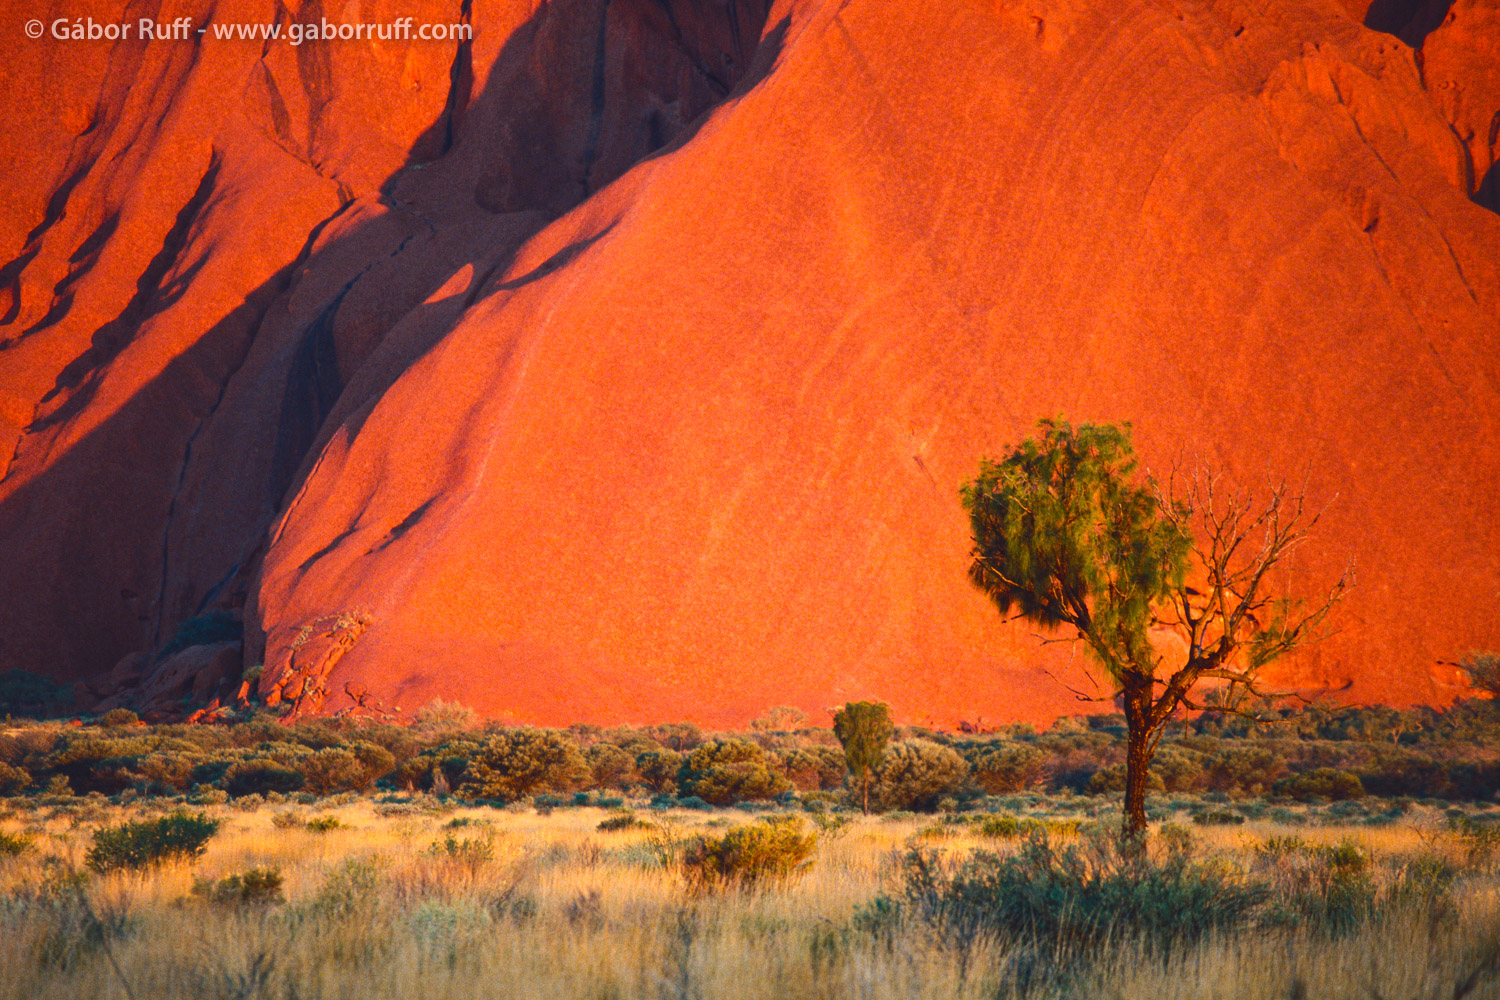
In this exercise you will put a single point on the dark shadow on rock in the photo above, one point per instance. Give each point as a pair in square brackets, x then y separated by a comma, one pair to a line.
[1410, 20]
[112, 499]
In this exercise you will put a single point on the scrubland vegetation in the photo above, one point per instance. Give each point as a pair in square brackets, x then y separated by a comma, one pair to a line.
[400, 895]
[1337, 853]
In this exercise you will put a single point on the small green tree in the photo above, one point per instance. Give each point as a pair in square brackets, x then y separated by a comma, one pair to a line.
[1066, 536]
[864, 728]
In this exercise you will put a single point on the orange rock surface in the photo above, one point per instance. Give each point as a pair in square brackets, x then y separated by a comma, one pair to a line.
[624, 362]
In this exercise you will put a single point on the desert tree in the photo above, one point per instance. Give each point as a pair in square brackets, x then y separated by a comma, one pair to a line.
[865, 730]
[1172, 588]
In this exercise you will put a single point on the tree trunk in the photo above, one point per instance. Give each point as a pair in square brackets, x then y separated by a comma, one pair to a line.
[1137, 754]
[865, 785]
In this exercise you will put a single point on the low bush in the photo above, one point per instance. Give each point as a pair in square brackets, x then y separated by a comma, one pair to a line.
[1075, 898]
[143, 844]
[1000, 767]
[13, 779]
[723, 772]
[323, 824]
[619, 821]
[116, 717]
[771, 850]
[916, 774]
[256, 887]
[519, 763]
[13, 844]
[1320, 783]
[1218, 817]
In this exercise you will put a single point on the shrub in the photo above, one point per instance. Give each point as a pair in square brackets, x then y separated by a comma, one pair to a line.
[658, 770]
[1321, 782]
[1074, 899]
[13, 844]
[1007, 827]
[323, 824]
[517, 763]
[118, 717]
[469, 852]
[23, 693]
[13, 779]
[259, 776]
[609, 766]
[813, 769]
[915, 774]
[351, 768]
[256, 887]
[1245, 769]
[723, 772]
[1008, 767]
[619, 821]
[143, 844]
[771, 850]
[1218, 817]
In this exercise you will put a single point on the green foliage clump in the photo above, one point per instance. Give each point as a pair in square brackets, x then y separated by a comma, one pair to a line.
[813, 769]
[723, 772]
[865, 730]
[323, 824]
[353, 767]
[772, 850]
[1073, 899]
[261, 775]
[1001, 767]
[1320, 783]
[609, 766]
[1003, 827]
[518, 763]
[1218, 817]
[256, 887]
[619, 821]
[118, 717]
[658, 770]
[13, 779]
[146, 843]
[915, 774]
[13, 844]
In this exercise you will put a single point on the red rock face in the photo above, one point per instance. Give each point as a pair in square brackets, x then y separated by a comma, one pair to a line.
[624, 362]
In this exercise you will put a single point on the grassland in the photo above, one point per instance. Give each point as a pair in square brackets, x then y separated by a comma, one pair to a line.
[409, 896]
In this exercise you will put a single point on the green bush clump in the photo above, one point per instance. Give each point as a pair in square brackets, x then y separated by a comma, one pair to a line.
[915, 774]
[13, 779]
[771, 850]
[118, 717]
[324, 823]
[1073, 899]
[143, 844]
[1218, 817]
[1320, 783]
[813, 769]
[619, 821]
[256, 887]
[1002, 767]
[518, 763]
[723, 772]
[658, 770]
[1004, 827]
[609, 766]
[13, 844]
[352, 767]
[259, 776]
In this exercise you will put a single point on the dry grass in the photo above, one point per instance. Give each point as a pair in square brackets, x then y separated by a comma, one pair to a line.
[560, 910]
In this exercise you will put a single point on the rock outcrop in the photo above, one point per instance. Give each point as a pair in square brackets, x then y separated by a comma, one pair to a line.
[624, 361]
